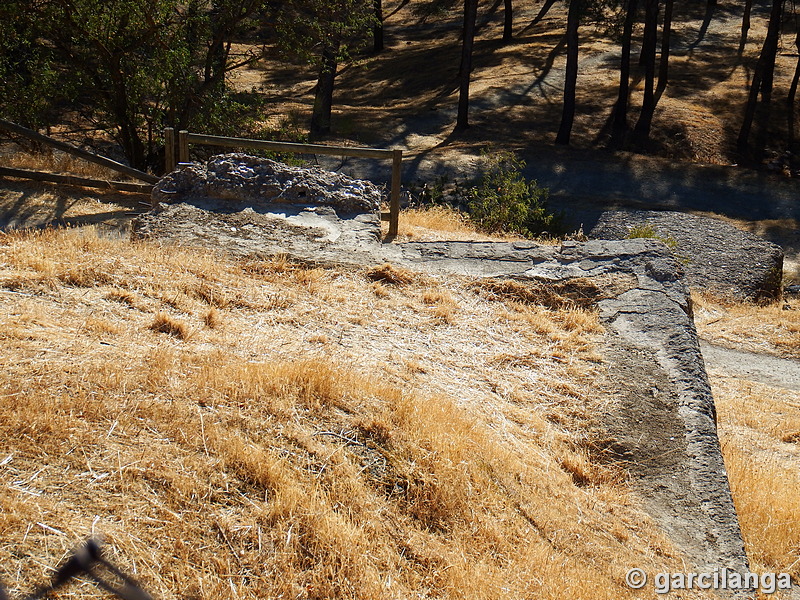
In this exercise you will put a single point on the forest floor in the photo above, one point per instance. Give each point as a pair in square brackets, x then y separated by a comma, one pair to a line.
[406, 97]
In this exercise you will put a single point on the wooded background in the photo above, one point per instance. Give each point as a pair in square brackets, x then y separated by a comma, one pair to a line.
[130, 68]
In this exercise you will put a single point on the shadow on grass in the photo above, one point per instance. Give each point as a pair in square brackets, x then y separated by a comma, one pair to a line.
[26, 205]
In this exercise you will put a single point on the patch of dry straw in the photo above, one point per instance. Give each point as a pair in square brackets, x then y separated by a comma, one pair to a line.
[311, 438]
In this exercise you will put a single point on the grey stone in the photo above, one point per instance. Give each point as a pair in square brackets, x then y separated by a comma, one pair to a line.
[260, 183]
[715, 255]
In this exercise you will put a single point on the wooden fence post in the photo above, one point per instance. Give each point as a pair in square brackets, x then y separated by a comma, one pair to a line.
[169, 150]
[394, 201]
[183, 146]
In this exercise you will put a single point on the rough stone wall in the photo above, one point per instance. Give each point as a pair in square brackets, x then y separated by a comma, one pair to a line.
[241, 179]
[666, 426]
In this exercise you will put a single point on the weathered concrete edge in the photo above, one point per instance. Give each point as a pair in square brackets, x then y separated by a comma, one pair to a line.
[654, 316]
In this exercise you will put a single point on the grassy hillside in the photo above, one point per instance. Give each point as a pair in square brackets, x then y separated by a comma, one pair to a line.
[243, 429]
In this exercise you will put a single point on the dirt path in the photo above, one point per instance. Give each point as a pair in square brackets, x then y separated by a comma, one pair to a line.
[751, 366]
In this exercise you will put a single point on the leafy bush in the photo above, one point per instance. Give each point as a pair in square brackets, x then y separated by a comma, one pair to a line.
[127, 67]
[503, 200]
[648, 231]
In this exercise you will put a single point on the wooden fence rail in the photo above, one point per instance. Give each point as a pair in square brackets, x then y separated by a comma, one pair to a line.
[84, 154]
[185, 138]
[124, 186]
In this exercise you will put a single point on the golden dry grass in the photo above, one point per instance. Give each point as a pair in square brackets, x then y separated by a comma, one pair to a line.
[58, 162]
[165, 323]
[311, 438]
[759, 427]
[432, 223]
[759, 431]
[772, 329]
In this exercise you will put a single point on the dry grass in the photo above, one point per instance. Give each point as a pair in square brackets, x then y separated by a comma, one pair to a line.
[392, 275]
[437, 218]
[759, 427]
[439, 222]
[768, 508]
[211, 318]
[26, 204]
[433, 223]
[58, 162]
[326, 442]
[164, 323]
[772, 329]
[573, 293]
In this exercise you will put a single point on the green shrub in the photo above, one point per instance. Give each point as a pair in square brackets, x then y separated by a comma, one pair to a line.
[503, 200]
[647, 230]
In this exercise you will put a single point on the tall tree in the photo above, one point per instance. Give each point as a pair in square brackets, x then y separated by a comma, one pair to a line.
[323, 98]
[129, 67]
[377, 28]
[748, 6]
[508, 21]
[762, 82]
[711, 7]
[790, 101]
[620, 124]
[325, 33]
[465, 71]
[571, 73]
[642, 129]
[666, 38]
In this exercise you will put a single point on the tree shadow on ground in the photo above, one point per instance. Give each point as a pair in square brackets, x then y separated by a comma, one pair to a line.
[27, 205]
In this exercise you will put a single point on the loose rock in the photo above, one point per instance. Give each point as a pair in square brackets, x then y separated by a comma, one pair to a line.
[260, 182]
[716, 256]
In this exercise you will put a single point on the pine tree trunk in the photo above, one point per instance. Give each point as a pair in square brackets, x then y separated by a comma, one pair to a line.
[748, 5]
[571, 76]
[791, 108]
[129, 139]
[132, 145]
[762, 83]
[377, 30]
[508, 21]
[642, 129]
[666, 35]
[323, 100]
[711, 7]
[649, 37]
[465, 71]
[620, 125]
